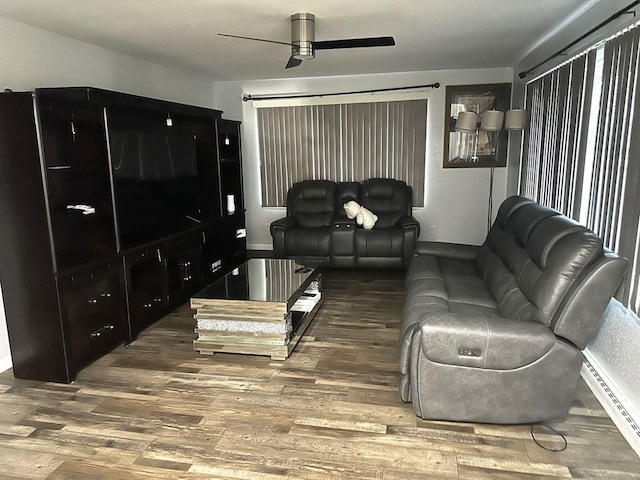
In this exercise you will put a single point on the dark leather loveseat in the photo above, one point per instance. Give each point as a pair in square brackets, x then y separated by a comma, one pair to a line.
[494, 333]
[316, 226]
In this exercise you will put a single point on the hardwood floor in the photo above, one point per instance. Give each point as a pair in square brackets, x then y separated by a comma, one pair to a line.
[157, 410]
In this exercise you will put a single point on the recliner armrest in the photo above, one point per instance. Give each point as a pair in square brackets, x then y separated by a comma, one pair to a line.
[409, 222]
[278, 229]
[448, 250]
[410, 232]
[483, 341]
[283, 223]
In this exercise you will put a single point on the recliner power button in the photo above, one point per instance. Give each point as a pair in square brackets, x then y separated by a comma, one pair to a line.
[469, 352]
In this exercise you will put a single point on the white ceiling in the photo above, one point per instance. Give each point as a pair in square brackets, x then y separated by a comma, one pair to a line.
[430, 34]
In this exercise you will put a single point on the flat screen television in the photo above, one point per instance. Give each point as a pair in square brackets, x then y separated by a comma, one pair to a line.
[156, 183]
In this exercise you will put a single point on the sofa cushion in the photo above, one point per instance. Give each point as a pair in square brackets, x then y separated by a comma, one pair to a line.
[464, 285]
[508, 207]
[525, 220]
[389, 199]
[379, 242]
[312, 202]
[514, 261]
[452, 280]
[563, 249]
[303, 241]
[422, 266]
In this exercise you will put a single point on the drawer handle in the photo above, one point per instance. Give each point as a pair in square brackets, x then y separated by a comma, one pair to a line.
[157, 300]
[186, 271]
[146, 305]
[92, 301]
[85, 209]
[101, 330]
[105, 294]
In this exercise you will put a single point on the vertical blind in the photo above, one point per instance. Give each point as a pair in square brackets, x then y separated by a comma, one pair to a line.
[614, 203]
[559, 106]
[346, 142]
[564, 123]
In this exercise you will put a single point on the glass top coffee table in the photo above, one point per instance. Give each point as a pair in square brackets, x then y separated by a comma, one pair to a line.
[261, 308]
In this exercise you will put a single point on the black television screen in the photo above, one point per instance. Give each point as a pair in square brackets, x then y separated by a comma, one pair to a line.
[155, 180]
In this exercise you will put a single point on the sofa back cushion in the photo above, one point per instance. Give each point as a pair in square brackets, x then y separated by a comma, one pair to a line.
[389, 199]
[533, 263]
[312, 202]
[558, 251]
[345, 192]
[501, 256]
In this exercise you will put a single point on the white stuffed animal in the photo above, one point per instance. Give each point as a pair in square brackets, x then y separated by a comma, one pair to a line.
[363, 216]
[351, 209]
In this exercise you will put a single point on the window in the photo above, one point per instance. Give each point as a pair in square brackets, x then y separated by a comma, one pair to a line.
[582, 152]
[342, 142]
[559, 109]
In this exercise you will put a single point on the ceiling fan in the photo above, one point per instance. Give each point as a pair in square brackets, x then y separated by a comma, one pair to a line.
[304, 45]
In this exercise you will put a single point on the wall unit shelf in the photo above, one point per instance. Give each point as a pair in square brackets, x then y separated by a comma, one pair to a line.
[113, 215]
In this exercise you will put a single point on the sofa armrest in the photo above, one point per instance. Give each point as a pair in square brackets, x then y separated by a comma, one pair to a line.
[482, 341]
[448, 250]
[278, 230]
[409, 222]
[411, 230]
[283, 223]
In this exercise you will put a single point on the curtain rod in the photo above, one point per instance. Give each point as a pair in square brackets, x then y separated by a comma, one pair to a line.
[246, 98]
[613, 17]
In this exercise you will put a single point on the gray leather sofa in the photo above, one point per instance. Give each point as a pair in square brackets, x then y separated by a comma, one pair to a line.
[494, 334]
[316, 227]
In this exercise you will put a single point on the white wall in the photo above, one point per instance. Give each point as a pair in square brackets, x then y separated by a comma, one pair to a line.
[31, 58]
[456, 199]
[614, 353]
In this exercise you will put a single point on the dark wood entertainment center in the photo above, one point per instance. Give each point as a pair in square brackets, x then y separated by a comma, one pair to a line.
[113, 210]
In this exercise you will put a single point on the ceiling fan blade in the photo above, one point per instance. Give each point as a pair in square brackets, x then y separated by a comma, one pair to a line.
[293, 62]
[355, 43]
[251, 38]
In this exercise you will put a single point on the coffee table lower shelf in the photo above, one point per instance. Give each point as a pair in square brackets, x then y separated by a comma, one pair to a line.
[274, 345]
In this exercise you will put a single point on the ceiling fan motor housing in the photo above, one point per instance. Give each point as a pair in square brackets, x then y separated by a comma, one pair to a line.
[303, 34]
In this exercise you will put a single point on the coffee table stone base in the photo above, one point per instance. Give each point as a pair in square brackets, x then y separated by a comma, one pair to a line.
[276, 345]
[255, 327]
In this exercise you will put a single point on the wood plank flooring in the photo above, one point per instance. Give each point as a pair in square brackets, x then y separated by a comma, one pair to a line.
[159, 410]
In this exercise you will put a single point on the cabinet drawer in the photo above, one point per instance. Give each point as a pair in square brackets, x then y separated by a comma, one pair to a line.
[147, 307]
[90, 275]
[93, 315]
[144, 255]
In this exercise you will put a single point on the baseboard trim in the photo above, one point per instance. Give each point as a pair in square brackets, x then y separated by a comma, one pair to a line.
[614, 402]
[260, 246]
[5, 363]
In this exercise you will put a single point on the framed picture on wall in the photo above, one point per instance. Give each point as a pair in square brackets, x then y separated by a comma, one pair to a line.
[474, 149]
